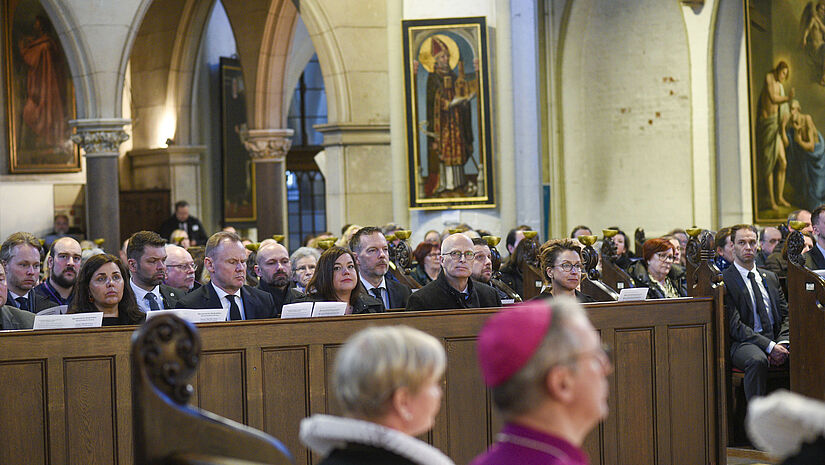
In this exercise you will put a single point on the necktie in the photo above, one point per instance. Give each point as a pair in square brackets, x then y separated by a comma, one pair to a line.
[23, 303]
[767, 327]
[152, 301]
[234, 311]
[376, 291]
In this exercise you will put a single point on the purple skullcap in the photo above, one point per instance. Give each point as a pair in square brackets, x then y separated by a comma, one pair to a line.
[510, 338]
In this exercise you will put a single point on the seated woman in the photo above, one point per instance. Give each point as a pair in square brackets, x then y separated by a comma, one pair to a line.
[387, 381]
[336, 279]
[303, 261]
[562, 264]
[652, 271]
[624, 257]
[101, 287]
[426, 254]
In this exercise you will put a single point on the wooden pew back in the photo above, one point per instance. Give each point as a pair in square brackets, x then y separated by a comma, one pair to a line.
[66, 393]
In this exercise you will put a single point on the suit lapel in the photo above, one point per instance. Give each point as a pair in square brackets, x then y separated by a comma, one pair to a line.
[248, 308]
[819, 260]
[774, 297]
[211, 297]
[743, 293]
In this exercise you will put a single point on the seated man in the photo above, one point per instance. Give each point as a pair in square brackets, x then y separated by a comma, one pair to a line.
[21, 254]
[453, 288]
[146, 254]
[275, 272]
[815, 258]
[776, 262]
[60, 229]
[226, 262]
[548, 374]
[769, 237]
[63, 265]
[483, 266]
[373, 258]
[757, 313]
[180, 268]
[12, 317]
[181, 219]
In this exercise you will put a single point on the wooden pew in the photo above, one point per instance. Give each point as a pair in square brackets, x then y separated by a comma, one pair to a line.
[66, 393]
[806, 293]
[591, 284]
[165, 355]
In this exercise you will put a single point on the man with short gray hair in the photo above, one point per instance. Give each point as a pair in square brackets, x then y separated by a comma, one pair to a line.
[547, 370]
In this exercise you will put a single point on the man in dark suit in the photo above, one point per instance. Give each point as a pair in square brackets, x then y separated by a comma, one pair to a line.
[146, 256]
[815, 258]
[12, 317]
[453, 288]
[273, 267]
[372, 254]
[226, 262]
[769, 237]
[757, 313]
[21, 254]
[181, 219]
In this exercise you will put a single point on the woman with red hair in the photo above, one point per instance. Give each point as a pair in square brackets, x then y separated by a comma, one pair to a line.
[653, 271]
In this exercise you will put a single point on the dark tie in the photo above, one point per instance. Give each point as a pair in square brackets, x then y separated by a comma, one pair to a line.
[376, 291]
[767, 327]
[234, 311]
[23, 303]
[152, 301]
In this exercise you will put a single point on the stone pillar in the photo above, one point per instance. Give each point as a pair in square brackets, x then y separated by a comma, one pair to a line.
[100, 140]
[177, 168]
[268, 149]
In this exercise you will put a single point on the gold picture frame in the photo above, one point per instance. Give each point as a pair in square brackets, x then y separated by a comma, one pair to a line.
[40, 97]
[449, 130]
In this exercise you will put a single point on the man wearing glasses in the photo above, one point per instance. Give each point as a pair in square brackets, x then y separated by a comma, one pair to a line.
[547, 371]
[180, 268]
[454, 288]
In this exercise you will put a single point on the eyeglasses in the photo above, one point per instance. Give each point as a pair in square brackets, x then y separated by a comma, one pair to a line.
[666, 257]
[184, 266]
[457, 254]
[568, 267]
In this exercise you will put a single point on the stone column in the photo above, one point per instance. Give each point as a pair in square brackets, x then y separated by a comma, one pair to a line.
[100, 140]
[268, 149]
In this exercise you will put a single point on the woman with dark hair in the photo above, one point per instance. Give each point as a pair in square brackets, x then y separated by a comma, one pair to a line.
[658, 255]
[511, 271]
[426, 254]
[101, 286]
[336, 279]
[624, 257]
[561, 265]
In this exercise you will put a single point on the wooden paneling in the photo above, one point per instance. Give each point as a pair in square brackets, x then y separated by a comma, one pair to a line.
[272, 373]
[91, 417]
[222, 384]
[23, 410]
[635, 392]
[286, 396]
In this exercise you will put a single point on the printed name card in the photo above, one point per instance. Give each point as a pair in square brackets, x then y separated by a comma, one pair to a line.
[508, 301]
[194, 315]
[70, 321]
[329, 309]
[633, 293]
[297, 310]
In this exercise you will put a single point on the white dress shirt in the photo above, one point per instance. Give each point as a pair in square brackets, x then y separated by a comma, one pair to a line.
[140, 296]
[385, 293]
[225, 302]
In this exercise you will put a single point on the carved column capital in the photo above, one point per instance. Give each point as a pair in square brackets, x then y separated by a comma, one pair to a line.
[267, 145]
[99, 137]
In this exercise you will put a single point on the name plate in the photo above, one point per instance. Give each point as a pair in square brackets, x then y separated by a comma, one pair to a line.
[69, 321]
[508, 301]
[193, 315]
[633, 293]
[297, 310]
[329, 309]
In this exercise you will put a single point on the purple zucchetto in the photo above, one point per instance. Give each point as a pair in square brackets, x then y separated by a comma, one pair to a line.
[510, 338]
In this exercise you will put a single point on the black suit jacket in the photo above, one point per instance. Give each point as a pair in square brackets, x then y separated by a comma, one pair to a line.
[171, 295]
[37, 302]
[739, 309]
[194, 229]
[814, 259]
[399, 293]
[439, 295]
[257, 304]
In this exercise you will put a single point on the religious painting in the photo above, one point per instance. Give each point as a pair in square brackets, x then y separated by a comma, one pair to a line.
[449, 140]
[238, 169]
[39, 93]
[786, 70]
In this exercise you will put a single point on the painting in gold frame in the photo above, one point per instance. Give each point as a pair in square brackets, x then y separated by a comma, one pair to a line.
[449, 131]
[39, 93]
[786, 74]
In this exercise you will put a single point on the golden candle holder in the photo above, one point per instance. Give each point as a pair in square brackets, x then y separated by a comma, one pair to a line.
[254, 246]
[279, 238]
[326, 243]
[530, 234]
[797, 225]
[492, 241]
[391, 237]
[609, 232]
[99, 241]
[455, 230]
[587, 240]
[403, 234]
[693, 232]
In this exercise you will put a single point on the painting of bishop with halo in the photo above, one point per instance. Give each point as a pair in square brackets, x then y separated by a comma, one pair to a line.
[448, 116]
[39, 92]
